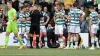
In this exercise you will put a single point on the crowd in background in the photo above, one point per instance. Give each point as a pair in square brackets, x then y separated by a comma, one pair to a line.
[48, 6]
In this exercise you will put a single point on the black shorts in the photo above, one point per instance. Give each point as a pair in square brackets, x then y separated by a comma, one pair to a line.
[35, 29]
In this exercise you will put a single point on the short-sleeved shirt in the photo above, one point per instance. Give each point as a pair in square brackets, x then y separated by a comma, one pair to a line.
[75, 15]
[28, 23]
[11, 14]
[21, 15]
[35, 17]
[41, 22]
[94, 17]
[60, 21]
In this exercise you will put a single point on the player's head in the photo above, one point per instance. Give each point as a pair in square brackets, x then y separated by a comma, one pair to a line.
[9, 4]
[49, 25]
[45, 9]
[31, 8]
[58, 6]
[91, 8]
[23, 8]
[35, 7]
[39, 8]
[75, 4]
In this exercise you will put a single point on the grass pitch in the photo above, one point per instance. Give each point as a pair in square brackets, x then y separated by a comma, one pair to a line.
[13, 51]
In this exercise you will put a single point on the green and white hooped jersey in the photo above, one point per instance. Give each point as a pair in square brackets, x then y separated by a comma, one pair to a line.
[41, 23]
[28, 23]
[44, 13]
[75, 14]
[60, 21]
[94, 17]
[21, 15]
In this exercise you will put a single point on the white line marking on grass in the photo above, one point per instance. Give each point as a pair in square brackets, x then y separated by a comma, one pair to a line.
[19, 54]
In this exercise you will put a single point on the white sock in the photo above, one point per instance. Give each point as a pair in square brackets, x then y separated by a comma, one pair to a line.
[45, 39]
[92, 42]
[28, 41]
[75, 39]
[76, 43]
[67, 43]
[97, 42]
[61, 41]
[71, 41]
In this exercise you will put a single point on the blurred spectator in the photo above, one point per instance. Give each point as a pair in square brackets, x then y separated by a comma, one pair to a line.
[1, 15]
[67, 3]
[88, 3]
[80, 3]
[62, 1]
[3, 6]
[34, 1]
[97, 2]
[15, 5]
[44, 4]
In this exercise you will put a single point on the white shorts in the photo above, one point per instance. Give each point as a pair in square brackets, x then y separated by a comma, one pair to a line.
[22, 30]
[27, 29]
[43, 29]
[74, 29]
[94, 29]
[58, 29]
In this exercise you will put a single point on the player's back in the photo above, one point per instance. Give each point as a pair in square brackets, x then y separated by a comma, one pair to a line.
[75, 14]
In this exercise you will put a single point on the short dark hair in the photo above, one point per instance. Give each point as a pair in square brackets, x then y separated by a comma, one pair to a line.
[91, 7]
[9, 2]
[75, 4]
[23, 7]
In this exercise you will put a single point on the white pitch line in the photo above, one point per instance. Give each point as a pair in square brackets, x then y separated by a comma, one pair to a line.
[19, 54]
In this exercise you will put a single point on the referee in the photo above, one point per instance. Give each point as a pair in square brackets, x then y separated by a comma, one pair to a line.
[35, 26]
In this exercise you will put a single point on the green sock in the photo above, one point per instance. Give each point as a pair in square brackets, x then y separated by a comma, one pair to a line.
[6, 40]
[20, 40]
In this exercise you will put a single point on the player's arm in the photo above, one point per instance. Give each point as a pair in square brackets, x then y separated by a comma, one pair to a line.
[67, 17]
[90, 23]
[22, 20]
[54, 19]
[48, 18]
[82, 16]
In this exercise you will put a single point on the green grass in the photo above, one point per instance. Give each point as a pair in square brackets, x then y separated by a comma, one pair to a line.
[13, 51]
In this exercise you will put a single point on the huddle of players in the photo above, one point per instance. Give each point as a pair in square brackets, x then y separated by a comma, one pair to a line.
[74, 17]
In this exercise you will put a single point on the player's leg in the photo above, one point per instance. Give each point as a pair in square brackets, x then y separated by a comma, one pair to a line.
[96, 38]
[27, 36]
[19, 37]
[37, 32]
[31, 35]
[76, 40]
[60, 38]
[71, 41]
[45, 36]
[92, 31]
[76, 32]
[69, 37]
[8, 30]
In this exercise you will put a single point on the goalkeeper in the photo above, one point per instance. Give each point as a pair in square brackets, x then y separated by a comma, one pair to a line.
[12, 26]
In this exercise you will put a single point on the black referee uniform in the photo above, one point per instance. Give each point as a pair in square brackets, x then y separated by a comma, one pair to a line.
[35, 26]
